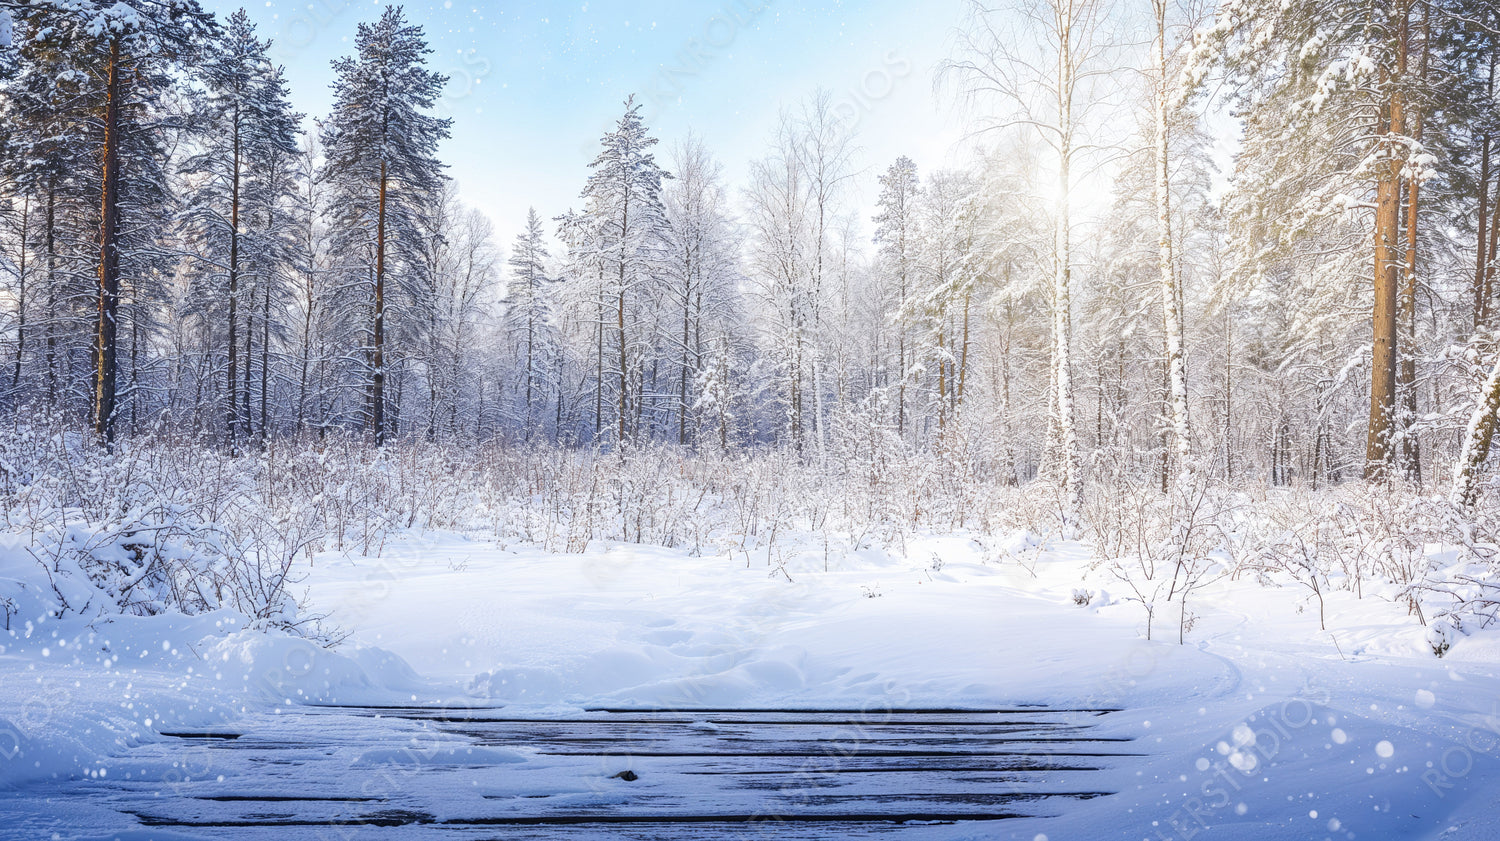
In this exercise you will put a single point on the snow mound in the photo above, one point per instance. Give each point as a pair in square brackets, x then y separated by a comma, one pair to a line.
[284, 669]
[77, 692]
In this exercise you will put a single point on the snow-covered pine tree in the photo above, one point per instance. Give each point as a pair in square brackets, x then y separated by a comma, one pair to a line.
[380, 145]
[581, 301]
[898, 235]
[1482, 84]
[622, 203]
[244, 173]
[30, 155]
[43, 168]
[531, 323]
[277, 252]
[314, 320]
[941, 308]
[115, 60]
[1334, 96]
[1008, 221]
[460, 268]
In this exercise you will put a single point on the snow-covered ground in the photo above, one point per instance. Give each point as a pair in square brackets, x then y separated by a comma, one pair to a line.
[1261, 726]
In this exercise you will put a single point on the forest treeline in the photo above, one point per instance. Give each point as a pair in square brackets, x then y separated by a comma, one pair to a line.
[181, 251]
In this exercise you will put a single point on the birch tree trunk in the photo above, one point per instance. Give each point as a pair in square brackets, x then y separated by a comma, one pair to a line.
[1065, 444]
[1477, 441]
[1171, 295]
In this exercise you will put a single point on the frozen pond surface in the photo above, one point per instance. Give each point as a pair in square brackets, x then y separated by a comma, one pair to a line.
[417, 773]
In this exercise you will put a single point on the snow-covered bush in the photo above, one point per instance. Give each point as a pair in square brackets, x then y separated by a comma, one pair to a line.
[1463, 581]
[151, 527]
[1161, 546]
[170, 524]
[1440, 635]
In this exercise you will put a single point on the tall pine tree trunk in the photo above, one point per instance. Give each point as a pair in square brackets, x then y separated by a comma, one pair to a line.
[942, 382]
[1406, 381]
[1494, 264]
[377, 380]
[265, 361]
[106, 327]
[52, 293]
[1228, 431]
[901, 357]
[453, 394]
[1484, 283]
[599, 362]
[794, 392]
[135, 355]
[307, 320]
[247, 419]
[624, 380]
[963, 359]
[530, 357]
[15, 380]
[682, 374]
[1481, 254]
[1387, 270]
[1406, 378]
[394, 422]
[624, 395]
[232, 419]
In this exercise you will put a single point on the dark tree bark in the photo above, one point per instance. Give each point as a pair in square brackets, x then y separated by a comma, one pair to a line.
[106, 327]
[377, 381]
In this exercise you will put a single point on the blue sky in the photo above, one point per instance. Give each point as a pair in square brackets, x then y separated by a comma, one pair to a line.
[534, 84]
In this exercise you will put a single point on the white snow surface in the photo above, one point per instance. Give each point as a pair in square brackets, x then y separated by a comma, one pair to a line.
[1261, 726]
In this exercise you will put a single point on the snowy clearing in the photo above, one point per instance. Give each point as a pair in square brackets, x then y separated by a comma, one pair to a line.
[1261, 727]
